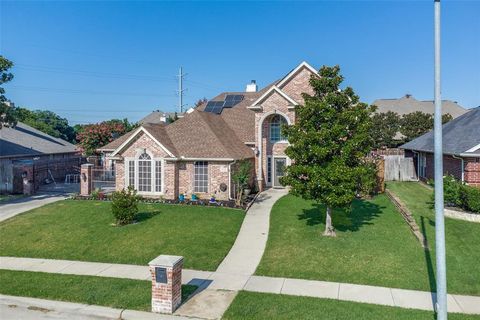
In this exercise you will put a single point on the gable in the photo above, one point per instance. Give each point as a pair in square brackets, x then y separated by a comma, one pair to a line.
[297, 84]
[141, 138]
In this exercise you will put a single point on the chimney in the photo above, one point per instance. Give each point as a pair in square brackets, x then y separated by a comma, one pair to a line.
[252, 86]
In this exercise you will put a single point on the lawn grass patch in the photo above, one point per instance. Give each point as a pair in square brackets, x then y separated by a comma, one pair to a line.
[82, 230]
[462, 238]
[252, 305]
[110, 292]
[373, 246]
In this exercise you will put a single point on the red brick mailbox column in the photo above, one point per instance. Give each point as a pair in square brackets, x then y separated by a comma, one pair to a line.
[86, 180]
[166, 274]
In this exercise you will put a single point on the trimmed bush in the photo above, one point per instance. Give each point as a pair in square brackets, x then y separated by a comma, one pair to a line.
[451, 191]
[470, 198]
[124, 205]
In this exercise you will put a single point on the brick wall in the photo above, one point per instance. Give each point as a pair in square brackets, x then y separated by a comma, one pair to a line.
[472, 171]
[299, 84]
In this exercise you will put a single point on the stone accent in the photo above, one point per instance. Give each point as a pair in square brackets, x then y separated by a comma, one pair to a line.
[86, 179]
[408, 217]
[462, 215]
[167, 289]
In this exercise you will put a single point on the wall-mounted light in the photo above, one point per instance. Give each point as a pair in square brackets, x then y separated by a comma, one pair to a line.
[255, 151]
[24, 174]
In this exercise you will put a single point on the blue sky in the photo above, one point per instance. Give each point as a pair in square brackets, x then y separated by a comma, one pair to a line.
[90, 61]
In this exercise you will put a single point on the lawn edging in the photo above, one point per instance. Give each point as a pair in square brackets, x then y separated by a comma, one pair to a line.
[462, 215]
[408, 217]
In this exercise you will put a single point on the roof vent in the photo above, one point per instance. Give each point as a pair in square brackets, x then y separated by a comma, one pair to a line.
[252, 86]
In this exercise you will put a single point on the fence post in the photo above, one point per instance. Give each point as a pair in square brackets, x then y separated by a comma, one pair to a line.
[86, 180]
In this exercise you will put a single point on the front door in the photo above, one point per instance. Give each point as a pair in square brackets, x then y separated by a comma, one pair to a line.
[279, 170]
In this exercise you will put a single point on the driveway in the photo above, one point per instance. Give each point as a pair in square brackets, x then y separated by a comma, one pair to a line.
[12, 208]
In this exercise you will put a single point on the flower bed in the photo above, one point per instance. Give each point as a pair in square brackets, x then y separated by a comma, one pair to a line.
[199, 202]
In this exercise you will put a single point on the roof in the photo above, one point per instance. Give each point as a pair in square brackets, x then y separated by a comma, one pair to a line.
[24, 140]
[408, 104]
[461, 136]
[155, 116]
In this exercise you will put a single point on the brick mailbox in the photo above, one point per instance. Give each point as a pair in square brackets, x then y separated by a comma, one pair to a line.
[86, 179]
[166, 272]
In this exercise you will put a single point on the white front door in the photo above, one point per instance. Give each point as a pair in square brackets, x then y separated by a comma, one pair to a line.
[278, 170]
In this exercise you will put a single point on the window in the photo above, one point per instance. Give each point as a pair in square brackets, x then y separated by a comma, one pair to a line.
[276, 128]
[144, 173]
[269, 169]
[158, 176]
[200, 179]
[131, 173]
[422, 165]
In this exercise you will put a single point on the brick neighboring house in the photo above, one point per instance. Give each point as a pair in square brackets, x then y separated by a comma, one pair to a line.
[25, 149]
[199, 152]
[461, 149]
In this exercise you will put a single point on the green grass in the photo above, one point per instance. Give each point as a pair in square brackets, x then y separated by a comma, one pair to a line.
[7, 197]
[462, 238]
[110, 292]
[82, 230]
[373, 246]
[250, 305]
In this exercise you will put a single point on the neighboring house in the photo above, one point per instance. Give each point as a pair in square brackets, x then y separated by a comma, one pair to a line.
[461, 149]
[199, 152]
[408, 104]
[24, 147]
[158, 116]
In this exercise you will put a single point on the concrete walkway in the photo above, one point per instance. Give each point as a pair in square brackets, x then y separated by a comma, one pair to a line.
[20, 205]
[12, 307]
[212, 301]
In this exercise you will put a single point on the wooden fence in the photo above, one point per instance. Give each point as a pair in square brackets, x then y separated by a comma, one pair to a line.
[399, 168]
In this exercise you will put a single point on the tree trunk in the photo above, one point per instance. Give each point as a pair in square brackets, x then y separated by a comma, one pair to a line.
[329, 229]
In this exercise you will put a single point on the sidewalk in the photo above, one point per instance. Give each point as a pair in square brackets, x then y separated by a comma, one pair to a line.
[12, 307]
[17, 206]
[209, 301]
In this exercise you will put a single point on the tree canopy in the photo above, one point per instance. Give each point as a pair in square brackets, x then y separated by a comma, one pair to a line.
[418, 123]
[328, 144]
[7, 111]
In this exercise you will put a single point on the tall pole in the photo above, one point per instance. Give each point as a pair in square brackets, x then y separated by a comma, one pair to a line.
[441, 305]
[180, 90]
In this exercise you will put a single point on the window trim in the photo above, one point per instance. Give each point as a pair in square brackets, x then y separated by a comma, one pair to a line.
[153, 161]
[207, 177]
[283, 120]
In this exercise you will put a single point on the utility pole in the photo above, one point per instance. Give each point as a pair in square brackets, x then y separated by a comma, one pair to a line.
[441, 305]
[181, 75]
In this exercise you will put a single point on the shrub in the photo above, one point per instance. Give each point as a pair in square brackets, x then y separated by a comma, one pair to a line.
[124, 205]
[470, 198]
[451, 191]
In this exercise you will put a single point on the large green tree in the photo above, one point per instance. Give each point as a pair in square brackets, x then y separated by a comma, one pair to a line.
[385, 127]
[413, 125]
[7, 112]
[48, 122]
[328, 144]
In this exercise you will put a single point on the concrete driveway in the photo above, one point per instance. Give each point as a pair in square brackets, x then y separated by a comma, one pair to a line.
[12, 208]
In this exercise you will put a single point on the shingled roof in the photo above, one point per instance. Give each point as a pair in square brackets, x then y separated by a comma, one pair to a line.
[408, 104]
[24, 140]
[461, 136]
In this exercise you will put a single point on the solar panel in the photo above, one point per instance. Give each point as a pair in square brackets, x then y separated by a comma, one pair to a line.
[217, 106]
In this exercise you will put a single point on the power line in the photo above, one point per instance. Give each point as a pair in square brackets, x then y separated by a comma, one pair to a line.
[76, 91]
[97, 74]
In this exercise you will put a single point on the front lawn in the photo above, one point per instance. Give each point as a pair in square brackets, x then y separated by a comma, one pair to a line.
[462, 238]
[110, 292]
[252, 305]
[83, 230]
[373, 246]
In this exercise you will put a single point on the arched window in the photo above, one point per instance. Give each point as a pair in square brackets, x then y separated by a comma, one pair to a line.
[276, 124]
[144, 173]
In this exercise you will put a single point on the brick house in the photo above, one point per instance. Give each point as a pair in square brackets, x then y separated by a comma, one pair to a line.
[461, 149]
[199, 152]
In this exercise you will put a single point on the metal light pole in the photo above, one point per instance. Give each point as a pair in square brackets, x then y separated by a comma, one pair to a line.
[441, 305]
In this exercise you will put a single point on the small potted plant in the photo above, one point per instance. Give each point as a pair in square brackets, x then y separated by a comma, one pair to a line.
[194, 197]
[212, 199]
[181, 197]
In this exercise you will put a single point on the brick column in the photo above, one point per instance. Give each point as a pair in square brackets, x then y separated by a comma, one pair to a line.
[86, 181]
[166, 274]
